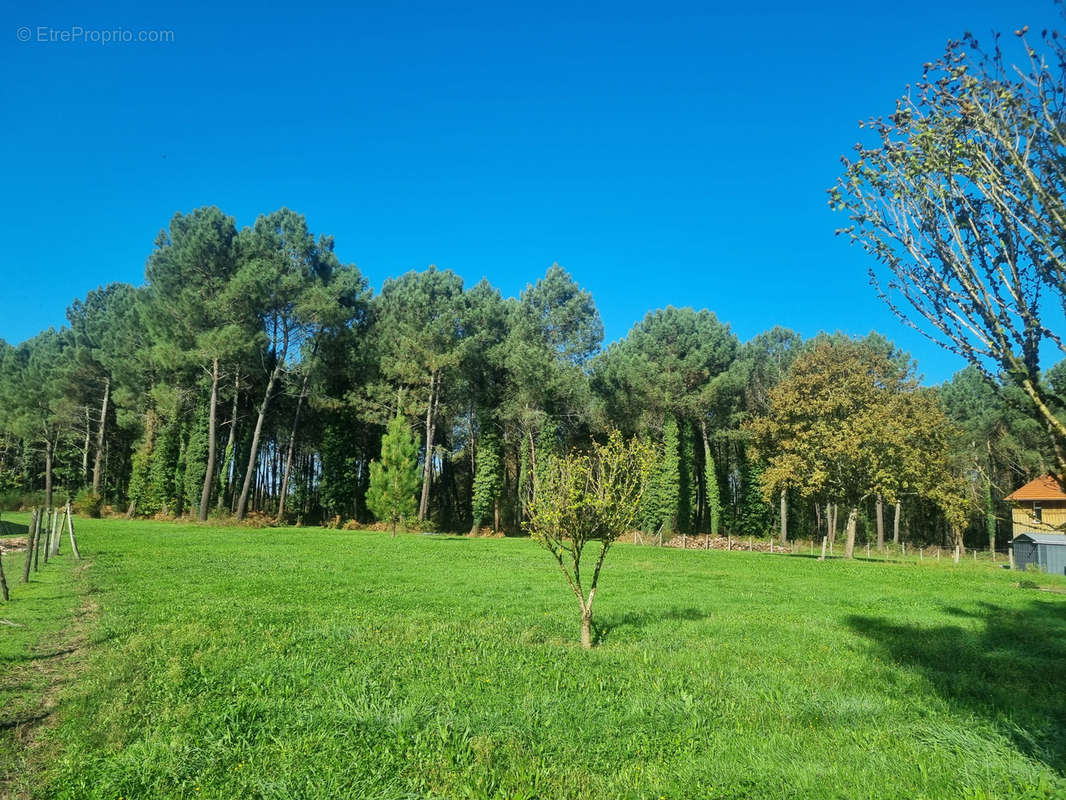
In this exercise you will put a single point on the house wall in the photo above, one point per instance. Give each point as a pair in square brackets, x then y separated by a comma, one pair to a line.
[1053, 513]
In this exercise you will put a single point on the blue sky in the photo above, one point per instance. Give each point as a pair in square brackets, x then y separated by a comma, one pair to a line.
[663, 153]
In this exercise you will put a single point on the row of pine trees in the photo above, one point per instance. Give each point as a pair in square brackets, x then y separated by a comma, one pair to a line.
[254, 373]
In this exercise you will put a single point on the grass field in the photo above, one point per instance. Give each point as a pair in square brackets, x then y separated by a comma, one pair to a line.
[302, 663]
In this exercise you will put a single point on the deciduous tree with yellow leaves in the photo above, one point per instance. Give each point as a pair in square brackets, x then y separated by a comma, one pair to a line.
[849, 423]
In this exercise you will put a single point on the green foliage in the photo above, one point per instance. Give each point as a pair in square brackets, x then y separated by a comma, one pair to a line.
[87, 504]
[848, 423]
[589, 497]
[756, 514]
[592, 496]
[660, 504]
[714, 492]
[688, 479]
[164, 470]
[194, 460]
[394, 479]
[488, 478]
[339, 452]
[142, 464]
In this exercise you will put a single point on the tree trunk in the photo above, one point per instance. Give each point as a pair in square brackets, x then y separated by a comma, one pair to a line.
[427, 472]
[784, 516]
[895, 525]
[849, 546]
[1056, 427]
[288, 452]
[48, 450]
[85, 446]
[990, 516]
[57, 530]
[880, 524]
[586, 628]
[831, 514]
[242, 504]
[230, 440]
[47, 530]
[3, 580]
[37, 542]
[30, 534]
[209, 473]
[70, 530]
[98, 472]
[709, 474]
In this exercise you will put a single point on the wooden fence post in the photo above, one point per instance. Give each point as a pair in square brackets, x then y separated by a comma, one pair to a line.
[29, 547]
[70, 530]
[37, 543]
[47, 525]
[56, 531]
[3, 580]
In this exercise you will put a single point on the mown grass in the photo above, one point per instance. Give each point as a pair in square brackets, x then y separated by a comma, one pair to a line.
[301, 663]
[34, 644]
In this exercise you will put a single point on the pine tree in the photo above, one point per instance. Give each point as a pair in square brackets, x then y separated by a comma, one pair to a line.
[394, 480]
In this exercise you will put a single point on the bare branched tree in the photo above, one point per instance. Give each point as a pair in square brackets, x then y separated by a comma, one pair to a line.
[960, 202]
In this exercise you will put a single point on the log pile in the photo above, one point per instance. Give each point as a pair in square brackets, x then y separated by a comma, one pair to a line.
[707, 542]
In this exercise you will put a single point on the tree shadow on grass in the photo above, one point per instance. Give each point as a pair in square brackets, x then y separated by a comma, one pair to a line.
[37, 656]
[1012, 670]
[632, 621]
[11, 530]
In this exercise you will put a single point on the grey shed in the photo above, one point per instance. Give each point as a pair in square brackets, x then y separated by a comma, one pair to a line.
[1045, 550]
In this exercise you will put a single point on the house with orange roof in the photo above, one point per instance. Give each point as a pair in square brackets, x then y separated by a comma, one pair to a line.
[1038, 507]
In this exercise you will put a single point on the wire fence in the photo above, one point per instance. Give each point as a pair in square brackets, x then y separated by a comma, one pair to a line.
[901, 552]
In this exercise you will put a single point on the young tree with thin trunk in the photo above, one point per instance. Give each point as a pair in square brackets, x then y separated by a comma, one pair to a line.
[394, 478]
[584, 499]
[880, 511]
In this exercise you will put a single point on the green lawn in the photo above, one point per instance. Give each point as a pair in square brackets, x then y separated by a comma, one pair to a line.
[302, 663]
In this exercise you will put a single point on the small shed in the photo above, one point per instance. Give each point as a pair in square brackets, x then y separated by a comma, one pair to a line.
[1038, 507]
[1047, 551]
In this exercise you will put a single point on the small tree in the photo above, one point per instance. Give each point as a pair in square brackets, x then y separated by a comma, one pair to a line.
[394, 480]
[584, 498]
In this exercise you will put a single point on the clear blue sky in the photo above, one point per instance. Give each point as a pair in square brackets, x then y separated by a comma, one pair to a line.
[663, 153]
